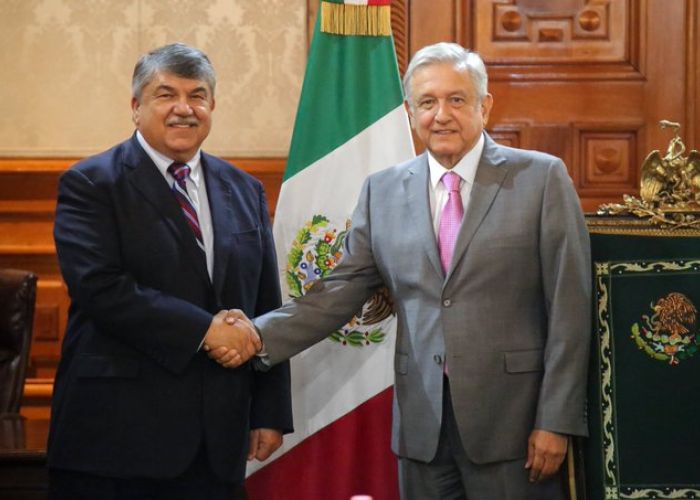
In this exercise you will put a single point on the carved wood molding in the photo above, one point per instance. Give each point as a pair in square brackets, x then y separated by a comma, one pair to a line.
[528, 40]
[608, 156]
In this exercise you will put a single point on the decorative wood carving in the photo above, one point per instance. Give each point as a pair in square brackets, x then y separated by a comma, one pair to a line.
[532, 39]
[508, 134]
[608, 158]
[575, 31]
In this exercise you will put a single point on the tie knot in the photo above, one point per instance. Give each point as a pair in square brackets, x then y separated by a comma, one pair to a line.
[179, 170]
[451, 181]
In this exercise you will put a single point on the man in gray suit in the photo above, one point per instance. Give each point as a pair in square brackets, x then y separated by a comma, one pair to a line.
[493, 316]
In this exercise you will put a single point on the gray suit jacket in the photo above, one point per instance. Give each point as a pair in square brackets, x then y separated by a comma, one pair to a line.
[511, 317]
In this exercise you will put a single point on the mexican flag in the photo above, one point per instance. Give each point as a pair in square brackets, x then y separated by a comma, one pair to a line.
[350, 122]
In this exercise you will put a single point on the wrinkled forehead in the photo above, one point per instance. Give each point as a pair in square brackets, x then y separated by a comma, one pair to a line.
[443, 77]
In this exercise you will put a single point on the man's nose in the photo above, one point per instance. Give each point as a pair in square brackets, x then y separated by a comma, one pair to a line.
[182, 108]
[442, 112]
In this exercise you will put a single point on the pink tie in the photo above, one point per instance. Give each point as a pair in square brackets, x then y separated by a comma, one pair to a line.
[450, 219]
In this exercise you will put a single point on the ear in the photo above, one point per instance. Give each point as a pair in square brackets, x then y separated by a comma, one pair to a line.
[411, 118]
[213, 104]
[135, 108]
[486, 104]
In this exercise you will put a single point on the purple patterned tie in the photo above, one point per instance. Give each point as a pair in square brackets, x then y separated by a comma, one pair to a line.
[450, 219]
[180, 171]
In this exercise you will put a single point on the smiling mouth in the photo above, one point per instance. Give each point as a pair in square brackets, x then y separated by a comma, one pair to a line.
[182, 125]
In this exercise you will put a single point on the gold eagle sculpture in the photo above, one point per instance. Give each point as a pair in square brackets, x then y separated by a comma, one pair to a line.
[673, 178]
[669, 190]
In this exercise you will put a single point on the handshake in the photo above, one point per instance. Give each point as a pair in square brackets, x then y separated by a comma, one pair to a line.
[231, 339]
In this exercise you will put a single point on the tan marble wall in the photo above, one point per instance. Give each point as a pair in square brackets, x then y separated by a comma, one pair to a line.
[65, 70]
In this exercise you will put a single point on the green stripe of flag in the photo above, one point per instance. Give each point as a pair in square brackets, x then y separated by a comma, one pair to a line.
[350, 82]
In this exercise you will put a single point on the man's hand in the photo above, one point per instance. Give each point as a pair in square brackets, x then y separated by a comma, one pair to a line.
[231, 343]
[545, 453]
[263, 443]
[234, 315]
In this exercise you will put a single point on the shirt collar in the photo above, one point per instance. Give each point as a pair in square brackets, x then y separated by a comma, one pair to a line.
[465, 168]
[163, 162]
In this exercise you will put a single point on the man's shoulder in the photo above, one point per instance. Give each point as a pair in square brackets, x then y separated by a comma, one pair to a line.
[399, 170]
[107, 164]
[530, 168]
[228, 170]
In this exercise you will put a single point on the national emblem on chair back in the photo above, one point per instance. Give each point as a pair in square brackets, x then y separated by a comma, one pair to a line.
[17, 298]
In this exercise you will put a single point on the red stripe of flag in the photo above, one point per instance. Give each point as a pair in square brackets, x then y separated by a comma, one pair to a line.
[350, 456]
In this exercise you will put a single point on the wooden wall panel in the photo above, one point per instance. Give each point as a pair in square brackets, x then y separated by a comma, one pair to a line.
[606, 154]
[527, 31]
[433, 21]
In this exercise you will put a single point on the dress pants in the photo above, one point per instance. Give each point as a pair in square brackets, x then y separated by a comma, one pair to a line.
[196, 483]
[452, 476]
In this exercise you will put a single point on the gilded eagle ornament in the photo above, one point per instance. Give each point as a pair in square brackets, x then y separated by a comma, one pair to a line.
[669, 191]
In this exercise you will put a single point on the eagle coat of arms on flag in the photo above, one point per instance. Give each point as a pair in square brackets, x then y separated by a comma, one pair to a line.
[315, 251]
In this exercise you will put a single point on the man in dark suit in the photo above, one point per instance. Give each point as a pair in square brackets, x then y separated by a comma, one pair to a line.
[153, 237]
[486, 255]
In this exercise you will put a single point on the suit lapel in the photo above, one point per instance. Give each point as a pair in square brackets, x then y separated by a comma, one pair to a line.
[222, 218]
[418, 200]
[149, 182]
[490, 175]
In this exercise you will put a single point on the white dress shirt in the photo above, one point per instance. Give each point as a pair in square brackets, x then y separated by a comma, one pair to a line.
[196, 189]
[465, 168]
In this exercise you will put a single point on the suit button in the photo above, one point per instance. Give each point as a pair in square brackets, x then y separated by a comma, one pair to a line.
[447, 302]
[438, 359]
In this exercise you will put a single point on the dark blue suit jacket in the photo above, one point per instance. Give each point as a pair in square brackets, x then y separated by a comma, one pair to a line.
[133, 395]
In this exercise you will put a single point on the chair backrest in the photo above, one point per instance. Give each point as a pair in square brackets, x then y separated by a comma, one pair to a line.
[17, 299]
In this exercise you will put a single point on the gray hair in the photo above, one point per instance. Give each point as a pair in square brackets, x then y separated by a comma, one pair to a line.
[178, 59]
[451, 53]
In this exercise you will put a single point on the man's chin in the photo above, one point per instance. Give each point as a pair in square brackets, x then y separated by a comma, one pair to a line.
[438, 149]
[183, 143]
[181, 153]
